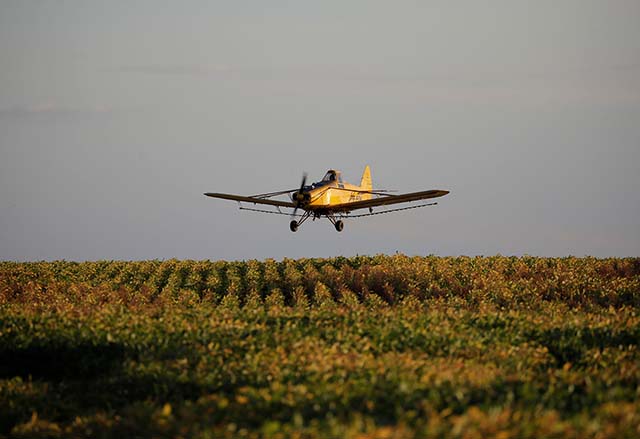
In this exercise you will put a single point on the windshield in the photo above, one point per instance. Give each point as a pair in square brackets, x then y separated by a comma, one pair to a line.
[330, 176]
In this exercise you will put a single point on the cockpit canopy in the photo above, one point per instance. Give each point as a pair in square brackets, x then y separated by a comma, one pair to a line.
[332, 175]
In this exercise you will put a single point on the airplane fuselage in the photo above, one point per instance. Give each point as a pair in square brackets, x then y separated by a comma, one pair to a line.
[331, 191]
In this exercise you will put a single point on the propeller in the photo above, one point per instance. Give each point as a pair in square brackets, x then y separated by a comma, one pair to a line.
[298, 197]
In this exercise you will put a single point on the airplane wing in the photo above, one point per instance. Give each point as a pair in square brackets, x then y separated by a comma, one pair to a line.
[253, 200]
[388, 199]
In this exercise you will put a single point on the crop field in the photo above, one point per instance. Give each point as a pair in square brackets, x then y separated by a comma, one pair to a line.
[363, 347]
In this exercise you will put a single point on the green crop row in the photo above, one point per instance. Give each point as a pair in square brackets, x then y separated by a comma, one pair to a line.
[503, 281]
[375, 347]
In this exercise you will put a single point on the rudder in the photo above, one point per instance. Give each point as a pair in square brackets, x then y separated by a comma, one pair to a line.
[365, 183]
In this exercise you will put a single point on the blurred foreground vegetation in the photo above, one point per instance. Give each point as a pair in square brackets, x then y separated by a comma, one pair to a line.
[378, 347]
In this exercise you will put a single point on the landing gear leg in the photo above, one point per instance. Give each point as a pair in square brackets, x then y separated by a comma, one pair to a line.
[293, 225]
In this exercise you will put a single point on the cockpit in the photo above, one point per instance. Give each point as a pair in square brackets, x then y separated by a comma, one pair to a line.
[332, 175]
[328, 178]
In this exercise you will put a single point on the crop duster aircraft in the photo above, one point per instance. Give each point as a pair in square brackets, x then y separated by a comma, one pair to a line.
[333, 198]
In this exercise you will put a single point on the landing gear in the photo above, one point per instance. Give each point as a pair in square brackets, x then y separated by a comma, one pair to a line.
[293, 225]
[338, 224]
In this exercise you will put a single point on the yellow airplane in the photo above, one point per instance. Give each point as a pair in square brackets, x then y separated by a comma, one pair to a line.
[333, 198]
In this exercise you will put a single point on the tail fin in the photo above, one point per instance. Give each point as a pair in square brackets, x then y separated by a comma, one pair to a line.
[365, 183]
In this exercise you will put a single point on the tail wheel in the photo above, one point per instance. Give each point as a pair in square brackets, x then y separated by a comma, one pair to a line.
[293, 226]
[339, 225]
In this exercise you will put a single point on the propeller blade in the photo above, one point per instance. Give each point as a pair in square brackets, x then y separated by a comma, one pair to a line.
[300, 191]
[304, 181]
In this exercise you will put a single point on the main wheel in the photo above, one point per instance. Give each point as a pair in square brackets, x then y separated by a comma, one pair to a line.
[293, 225]
[339, 225]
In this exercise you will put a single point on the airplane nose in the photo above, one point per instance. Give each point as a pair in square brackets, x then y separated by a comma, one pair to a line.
[300, 197]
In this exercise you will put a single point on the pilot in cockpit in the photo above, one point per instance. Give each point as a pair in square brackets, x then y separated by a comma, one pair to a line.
[330, 176]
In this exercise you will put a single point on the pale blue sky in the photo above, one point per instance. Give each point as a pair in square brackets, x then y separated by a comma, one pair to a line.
[115, 117]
